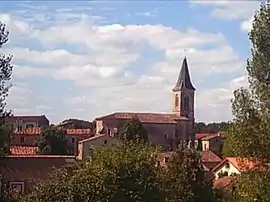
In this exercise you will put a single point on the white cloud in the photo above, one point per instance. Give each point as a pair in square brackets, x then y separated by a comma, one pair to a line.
[233, 10]
[105, 75]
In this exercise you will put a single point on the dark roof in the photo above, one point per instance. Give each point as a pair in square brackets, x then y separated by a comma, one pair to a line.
[27, 118]
[145, 117]
[184, 78]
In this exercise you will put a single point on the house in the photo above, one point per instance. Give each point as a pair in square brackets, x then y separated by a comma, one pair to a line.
[208, 159]
[164, 129]
[20, 123]
[22, 171]
[212, 142]
[87, 146]
[28, 137]
[231, 166]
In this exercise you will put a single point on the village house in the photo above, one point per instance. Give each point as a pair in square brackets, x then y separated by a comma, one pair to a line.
[212, 142]
[20, 123]
[28, 137]
[232, 166]
[87, 146]
[163, 129]
[21, 172]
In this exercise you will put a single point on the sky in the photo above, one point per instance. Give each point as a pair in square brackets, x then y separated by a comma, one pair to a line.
[85, 59]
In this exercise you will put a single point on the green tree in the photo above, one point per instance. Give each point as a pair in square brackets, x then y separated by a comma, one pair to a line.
[5, 72]
[249, 134]
[53, 141]
[184, 180]
[133, 130]
[227, 151]
[121, 173]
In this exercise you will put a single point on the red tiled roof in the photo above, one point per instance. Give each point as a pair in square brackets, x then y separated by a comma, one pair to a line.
[29, 131]
[78, 131]
[206, 138]
[23, 150]
[209, 156]
[27, 118]
[241, 164]
[40, 156]
[37, 131]
[199, 136]
[94, 137]
[223, 182]
[145, 117]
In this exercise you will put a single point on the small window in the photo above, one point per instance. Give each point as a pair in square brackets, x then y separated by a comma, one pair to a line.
[105, 142]
[22, 139]
[19, 128]
[166, 159]
[158, 163]
[17, 187]
[109, 131]
[205, 147]
[73, 140]
[227, 165]
[29, 126]
[166, 136]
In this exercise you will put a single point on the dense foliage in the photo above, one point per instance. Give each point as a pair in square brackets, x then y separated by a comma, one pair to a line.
[133, 130]
[128, 172]
[5, 72]
[53, 141]
[76, 124]
[201, 127]
[184, 180]
[249, 134]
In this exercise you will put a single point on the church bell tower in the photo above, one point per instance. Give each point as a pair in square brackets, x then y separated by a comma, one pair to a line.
[183, 98]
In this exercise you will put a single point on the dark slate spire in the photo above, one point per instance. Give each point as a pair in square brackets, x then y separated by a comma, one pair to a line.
[184, 78]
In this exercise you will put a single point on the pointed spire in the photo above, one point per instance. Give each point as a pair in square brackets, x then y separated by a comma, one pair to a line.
[184, 78]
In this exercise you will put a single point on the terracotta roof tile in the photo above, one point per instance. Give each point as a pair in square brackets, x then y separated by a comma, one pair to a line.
[94, 137]
[209, 156]
[199, 136]
[23, 150]
[41, 156]
[37, 131]
[223, 182]
[209, 137]
[145, 117]
[242, 164]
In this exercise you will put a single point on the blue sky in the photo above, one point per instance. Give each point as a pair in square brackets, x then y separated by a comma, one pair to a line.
[86, 59]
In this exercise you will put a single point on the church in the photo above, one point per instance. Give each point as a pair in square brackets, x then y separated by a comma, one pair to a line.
[163, 129]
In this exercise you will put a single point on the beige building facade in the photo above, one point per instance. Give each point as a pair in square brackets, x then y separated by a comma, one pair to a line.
[163, 129]
[87, 146]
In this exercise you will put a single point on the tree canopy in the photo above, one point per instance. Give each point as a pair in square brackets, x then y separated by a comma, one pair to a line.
[53, 141]
[249, 134]
[5, 72]
[76, 124]
[184, 179]
[128, 172]
[133, 130]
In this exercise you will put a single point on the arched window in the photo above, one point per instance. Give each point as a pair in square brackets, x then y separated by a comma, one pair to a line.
[186, 103]
[176, 100]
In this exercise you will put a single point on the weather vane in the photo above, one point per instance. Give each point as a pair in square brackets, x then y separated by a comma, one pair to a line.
[185, 52]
